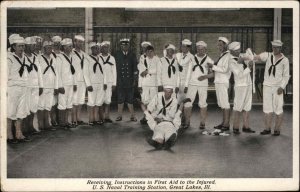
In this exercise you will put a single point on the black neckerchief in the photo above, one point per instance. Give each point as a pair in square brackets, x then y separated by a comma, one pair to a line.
[199, 64]
[216, 63]
[54, 54]
[32, 64]
[145, 63]
[96, 63]
[23, 65]
[49, 65]
[163, 110]
[171, 66]
[70, 62]
[180, 66]
[244, 65]
[107, 60]
[81, 58]
[273, 66]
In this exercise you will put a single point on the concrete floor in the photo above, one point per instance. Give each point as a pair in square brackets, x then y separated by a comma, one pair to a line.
[120, 150]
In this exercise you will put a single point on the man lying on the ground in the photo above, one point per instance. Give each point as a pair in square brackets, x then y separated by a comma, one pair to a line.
[164, 131]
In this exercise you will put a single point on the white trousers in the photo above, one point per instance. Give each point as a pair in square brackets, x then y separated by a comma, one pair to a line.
[272, 102]
[79, 94]
[202, 93]
[16, 103]
[222, 95]
[242, 98]
[65, 101]
[148, 94]
[96, 97]
[46, 99]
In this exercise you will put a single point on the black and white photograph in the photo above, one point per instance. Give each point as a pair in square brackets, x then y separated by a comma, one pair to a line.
[149, 96]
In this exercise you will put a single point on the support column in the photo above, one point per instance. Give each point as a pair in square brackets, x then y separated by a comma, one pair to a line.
[89, 33]
[277, 24]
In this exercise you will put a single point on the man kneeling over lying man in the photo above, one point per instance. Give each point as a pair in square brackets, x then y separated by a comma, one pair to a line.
[163, 119]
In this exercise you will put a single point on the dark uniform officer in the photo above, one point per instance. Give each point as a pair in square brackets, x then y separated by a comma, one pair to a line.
[126, 64]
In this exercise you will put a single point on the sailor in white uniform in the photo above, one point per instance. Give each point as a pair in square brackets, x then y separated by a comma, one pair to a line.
[241, 70]
[35, 83]
[148, 79]
[48, 66]
[222, 75]
[82, 78]
[110, 80]
[67, 82]
[185, 59]
[194, 85]
[168, 74]
[17, 73]
[276, 78]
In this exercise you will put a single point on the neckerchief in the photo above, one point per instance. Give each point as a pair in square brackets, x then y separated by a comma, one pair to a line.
[96, 64]
[163, 110]
[273, 66]
[199, 64]
[70, 62]
[32, 64]
[171, 66]
[23, 65]
[81, 58]
[49, 65]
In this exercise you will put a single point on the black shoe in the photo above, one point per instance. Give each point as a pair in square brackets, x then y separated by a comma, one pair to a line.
[68, 126]
[12, 141]
[119, 118]
[202, 126]
[143, 121]
[236, 131]
[73, 125]
[99, 122]
[225, 128]
[265, 132]
[276, 133]
[218, 126]
[54, 124]
[108, 120]
[81, 123]
[185, 126]
[171, 141]
[25, 139]
[133, 119]
[154, 143]
[248, 130]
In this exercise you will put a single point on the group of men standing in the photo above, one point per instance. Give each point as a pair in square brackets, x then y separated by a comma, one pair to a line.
[57, 76]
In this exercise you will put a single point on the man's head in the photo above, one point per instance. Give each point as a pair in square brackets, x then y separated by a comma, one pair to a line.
[276, 46]
[144, 45]
[150, 51]
[124, 44]
[170, 50]
[48, 46]
[67, 45]
[78, 42]
[222, 44]
[18, 45]
[39, 43]
[56, 42]
[235, 48]
[186, 45]
[201, 48]
[94, 48]
[105, 45]
[168, 91]
[30, 44]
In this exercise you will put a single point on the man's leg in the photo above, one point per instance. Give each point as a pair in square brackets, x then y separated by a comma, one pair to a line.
[268, 124]
[91, 114]
[203, 117]
[78, 114]
[278, 122]
[10, 135]
[40, 118]
[236, 122]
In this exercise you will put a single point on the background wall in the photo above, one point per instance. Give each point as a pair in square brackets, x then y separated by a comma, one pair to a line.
[252, 27]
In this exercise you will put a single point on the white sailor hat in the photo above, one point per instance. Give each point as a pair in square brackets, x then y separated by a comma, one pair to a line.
[186, 42]
[56, 38]
[224, 39]
[201, 43]
[276, 43]
[168, 87]
[79, 37]
[145, 43]
[11, 37]
[233, 46]
[66, 41]
[18, 40]
[38, 39]
[99, 44]
[105, 43]
[92, 44]
[171, 46]
[30, 41]
[47, 43]
[124, 41]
